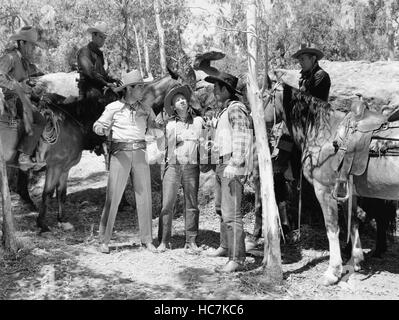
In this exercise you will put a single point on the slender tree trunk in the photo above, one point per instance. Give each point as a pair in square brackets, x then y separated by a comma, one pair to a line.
[390, 31]
[9, 239]
[138, 49]
[161, 35]
[126, 51]
[272, 261]
[145, 45]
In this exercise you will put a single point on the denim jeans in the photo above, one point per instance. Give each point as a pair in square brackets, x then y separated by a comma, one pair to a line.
[174, 176]
[228, 196]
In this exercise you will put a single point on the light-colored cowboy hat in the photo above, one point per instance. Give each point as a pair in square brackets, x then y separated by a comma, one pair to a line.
[177, 89]
[98, 27]
[227, 79]
[131, 78]
[27, 33]
[308, 50]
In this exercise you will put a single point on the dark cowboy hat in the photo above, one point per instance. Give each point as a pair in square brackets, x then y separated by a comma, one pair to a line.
[309, 50]
[227, 79]
[177, 89]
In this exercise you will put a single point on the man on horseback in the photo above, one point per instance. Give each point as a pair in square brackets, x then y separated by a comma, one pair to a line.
[15, 70]
[314, 80]
[92, 75]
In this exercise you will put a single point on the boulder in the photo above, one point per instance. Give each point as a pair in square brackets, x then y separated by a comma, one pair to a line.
[377, 82]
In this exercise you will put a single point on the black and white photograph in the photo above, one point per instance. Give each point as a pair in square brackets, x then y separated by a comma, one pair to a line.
[195, 157]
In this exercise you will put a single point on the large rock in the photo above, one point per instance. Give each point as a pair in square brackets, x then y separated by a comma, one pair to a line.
[377, 82]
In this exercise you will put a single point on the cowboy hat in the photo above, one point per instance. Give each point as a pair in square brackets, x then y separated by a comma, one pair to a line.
[227, 79]
[177, 89]
[131, 78]
[308, 50]
[98, 27]
[26, 33]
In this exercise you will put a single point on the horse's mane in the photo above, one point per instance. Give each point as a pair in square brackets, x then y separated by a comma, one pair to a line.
[85, 111]
[305, 109]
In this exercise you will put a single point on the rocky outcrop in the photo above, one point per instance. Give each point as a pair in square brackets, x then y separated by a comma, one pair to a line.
[377, 82]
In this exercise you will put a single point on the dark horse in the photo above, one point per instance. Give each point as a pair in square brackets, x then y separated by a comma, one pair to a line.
[75, 135]
[313, 127]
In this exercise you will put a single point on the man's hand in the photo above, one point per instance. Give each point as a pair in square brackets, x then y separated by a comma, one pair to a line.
[230, 172]
[111, 85]
[118, 83]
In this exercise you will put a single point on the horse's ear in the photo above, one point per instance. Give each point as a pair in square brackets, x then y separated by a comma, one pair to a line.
[173, 74]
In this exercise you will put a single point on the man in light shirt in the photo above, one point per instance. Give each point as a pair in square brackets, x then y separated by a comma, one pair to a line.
[126, 121]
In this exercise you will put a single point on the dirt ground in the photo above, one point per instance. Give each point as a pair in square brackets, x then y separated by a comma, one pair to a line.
[67, 265]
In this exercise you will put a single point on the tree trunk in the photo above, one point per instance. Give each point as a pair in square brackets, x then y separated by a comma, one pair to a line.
[126, 53]
[9, 240]
[390, 31]
[161, 35]
[272, 255]
[145, 45]
[138, 49]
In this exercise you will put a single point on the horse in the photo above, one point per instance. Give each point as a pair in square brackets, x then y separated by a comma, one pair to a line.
[74, 137]
[313, 125]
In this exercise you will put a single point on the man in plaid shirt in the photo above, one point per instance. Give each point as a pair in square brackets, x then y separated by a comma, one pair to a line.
[233, 149]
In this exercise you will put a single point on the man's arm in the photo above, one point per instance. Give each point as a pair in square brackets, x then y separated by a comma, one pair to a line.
[6, 65]
[87, 68]
[103, 124]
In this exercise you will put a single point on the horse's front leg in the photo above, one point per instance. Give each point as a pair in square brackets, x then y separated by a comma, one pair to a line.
[52, 178]
[357, 251]
[330, 212]
[61, 199]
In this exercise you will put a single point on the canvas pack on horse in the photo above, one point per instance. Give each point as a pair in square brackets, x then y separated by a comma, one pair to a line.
[335, 147]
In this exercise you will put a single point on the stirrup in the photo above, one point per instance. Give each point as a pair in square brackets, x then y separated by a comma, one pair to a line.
[339, 185]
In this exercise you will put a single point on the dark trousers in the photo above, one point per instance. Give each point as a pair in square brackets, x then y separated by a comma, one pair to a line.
[175, 175]
[88, 91]
[28, 143]
[228, 196]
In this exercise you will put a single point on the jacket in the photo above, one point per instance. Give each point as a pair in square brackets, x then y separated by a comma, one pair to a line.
[316, 82]
[91, 67]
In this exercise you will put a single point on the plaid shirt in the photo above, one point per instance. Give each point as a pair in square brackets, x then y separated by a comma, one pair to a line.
[242, 133]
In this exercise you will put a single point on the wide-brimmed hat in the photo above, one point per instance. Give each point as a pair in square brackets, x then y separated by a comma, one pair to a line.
[131, 78]
[98, 27]
[177, 89]
[27, 33]
[227, 79]
[308, 50]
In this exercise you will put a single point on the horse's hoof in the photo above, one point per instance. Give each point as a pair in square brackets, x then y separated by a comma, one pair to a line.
[329, 279]
[66, 226]
[44, 229]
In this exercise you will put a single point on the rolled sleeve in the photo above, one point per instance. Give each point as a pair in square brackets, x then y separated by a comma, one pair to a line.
[104, 122]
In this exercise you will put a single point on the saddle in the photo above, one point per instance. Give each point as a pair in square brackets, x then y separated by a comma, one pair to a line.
[352, 144]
